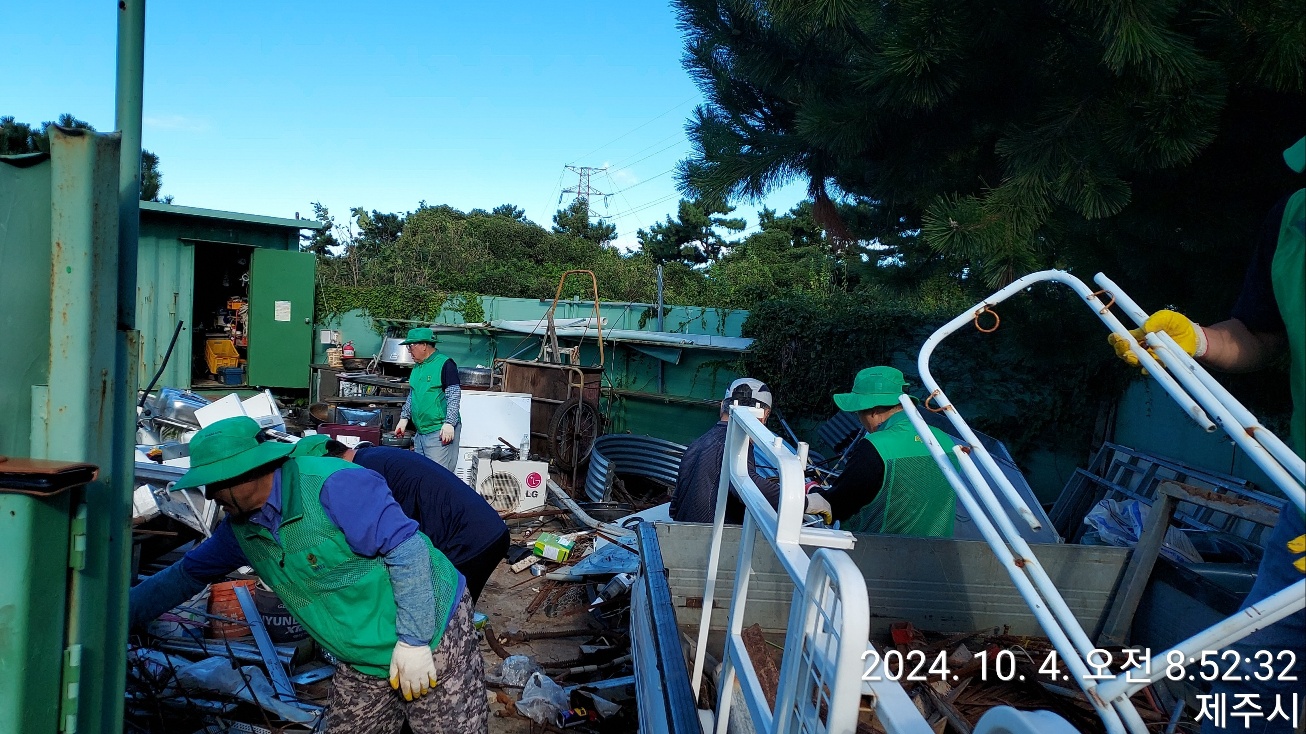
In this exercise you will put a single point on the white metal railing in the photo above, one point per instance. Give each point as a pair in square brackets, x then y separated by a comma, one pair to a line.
[1202, 398]
[827, 635]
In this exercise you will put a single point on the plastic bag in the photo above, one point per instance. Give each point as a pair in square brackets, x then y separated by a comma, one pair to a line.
[246, 682]
[542, 700]
[1121, 524]
[514, 671]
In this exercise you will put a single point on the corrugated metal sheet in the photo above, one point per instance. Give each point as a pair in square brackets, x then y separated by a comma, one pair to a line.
[641, 456]
[165, 289]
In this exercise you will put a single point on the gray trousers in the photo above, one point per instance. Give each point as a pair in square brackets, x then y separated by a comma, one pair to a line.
[446, 455]
[365, 704]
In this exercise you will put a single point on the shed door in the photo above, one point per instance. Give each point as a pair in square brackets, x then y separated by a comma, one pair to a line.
[280, 318]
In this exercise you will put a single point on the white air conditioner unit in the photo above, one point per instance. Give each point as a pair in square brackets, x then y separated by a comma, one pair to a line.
[512, 486]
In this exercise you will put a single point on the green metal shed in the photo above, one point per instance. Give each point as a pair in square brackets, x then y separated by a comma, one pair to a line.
[192, 260]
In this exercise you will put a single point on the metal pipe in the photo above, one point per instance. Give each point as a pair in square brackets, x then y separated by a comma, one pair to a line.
[127, 119]
[1258, 616]
[1012, 565]
[1029, 562]
[1241, 433]
[570, 505]
[104, 702]
[1181, 377]
[1281, 452]
[1148, 362]
[661, 327]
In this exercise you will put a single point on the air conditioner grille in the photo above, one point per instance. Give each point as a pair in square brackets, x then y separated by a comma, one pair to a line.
[502, 490]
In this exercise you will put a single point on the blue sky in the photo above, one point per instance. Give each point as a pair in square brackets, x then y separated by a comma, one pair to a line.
[266, 107]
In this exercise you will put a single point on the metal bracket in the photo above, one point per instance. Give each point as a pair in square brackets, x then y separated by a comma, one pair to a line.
[77, 539]
[72, 679]
[280, 680]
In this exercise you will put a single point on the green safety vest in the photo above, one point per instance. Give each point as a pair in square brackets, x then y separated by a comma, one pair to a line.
[429, 408]
[915, 498]
[344, 600]
[1288, 274]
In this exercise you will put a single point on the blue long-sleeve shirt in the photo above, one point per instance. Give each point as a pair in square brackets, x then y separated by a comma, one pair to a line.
[359, 502]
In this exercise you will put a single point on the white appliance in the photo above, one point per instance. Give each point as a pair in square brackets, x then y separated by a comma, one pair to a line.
[512, 486]
[487, 416]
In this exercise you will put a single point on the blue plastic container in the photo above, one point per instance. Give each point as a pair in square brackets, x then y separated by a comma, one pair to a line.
[232, 375]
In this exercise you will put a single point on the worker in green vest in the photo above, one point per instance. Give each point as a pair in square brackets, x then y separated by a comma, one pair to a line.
[351, 568]
[434, 396]
[1268, 320]
[890, 483]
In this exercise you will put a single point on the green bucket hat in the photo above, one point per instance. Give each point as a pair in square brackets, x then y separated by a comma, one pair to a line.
[874, 387]
[1295, 156]
[311, 446]
[224, 450]
[420, 335]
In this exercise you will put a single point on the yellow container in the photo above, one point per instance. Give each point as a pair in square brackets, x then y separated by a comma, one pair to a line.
[219, 353]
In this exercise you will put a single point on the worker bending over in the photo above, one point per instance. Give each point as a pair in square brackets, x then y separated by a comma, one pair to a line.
[457, 520]
[699, 475]
[890, 484]
[353, 570]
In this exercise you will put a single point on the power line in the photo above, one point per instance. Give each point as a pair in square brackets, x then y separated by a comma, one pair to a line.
[623, 198]
[676, 136]
[640, 127]
[650, 155]
[556, 188]
[642, 207]
[641, 183]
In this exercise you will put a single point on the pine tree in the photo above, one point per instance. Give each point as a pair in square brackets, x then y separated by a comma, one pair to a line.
[692, 236]
[575, 221]
[992, 138]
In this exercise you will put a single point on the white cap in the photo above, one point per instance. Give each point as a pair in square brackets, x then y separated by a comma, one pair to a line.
[748, 389]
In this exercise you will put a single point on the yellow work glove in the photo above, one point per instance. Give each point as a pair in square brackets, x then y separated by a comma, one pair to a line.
[818, 505]
[1187, 334]
[412, 670]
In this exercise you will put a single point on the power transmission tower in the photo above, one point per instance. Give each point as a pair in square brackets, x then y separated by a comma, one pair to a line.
[583, 190]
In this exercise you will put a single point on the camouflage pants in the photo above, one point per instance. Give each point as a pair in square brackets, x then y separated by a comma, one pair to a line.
[364, 704]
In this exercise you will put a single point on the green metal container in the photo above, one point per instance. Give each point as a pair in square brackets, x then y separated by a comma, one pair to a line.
[70, 377]
[281, 289]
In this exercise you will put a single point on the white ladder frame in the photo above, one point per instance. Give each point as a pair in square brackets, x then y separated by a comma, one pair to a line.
[1202, 398]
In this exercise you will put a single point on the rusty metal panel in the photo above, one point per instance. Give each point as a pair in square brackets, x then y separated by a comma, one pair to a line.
[33, 531]
[549, 385]
[91, 380]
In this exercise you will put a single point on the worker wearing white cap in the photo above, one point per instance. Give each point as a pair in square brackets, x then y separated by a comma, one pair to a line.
[699, 476]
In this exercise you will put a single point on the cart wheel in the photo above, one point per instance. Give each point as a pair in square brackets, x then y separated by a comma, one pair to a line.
[572, 431]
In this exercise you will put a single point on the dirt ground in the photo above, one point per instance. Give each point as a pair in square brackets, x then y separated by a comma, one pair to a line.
[505, 601]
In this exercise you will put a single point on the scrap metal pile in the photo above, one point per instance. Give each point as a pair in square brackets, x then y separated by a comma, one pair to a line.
[230, 659]
[558, 637]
